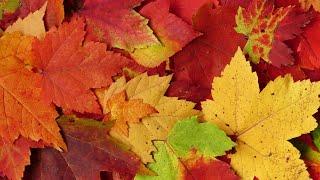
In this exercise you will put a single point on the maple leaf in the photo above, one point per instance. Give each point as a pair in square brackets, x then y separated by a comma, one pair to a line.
[117, 24]
[263, 121]
[205, 57]
[15, 156]
[311, 158]
[69, 68]
[22, 110]
[124, 112]
[309, 49]
[156, 126]
[8, 6]
[32, 25]
[175, 158]
[90, 151]
[267, 72]
[259, 22]
[306, 4]
[173, 33]
[186, 9]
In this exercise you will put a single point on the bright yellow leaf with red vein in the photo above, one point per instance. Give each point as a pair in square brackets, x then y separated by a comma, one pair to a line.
[124, 112]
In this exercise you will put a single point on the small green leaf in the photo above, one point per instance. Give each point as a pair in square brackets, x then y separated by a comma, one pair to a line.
[165, 166]
[206, 138]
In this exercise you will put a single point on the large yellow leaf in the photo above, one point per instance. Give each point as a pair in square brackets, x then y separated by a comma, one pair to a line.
[263, 121]
[31, 25]
[151, 90]
[306, 4]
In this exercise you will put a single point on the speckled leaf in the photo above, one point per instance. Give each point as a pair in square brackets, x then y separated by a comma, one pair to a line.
[259, 21]
[263, 122]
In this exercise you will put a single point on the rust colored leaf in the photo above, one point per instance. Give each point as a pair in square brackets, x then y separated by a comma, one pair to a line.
[90, 151]
[117, 24]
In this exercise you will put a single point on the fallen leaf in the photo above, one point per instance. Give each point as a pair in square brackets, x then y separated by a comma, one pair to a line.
[22, 110]
[90, 151]
[175, 158]
[172, 32]
[31, 25]
[263, 121]
[117, 24]
[206, 138]
[205, 57]
[156, 126]
[259, 23]
[124, 112]
[69, 68]
[15, 156]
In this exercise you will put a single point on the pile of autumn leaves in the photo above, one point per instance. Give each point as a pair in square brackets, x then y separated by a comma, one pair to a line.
[162, 90]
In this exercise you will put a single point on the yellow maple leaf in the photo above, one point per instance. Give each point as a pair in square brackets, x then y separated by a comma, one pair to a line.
[306, 4]
[31, 25]
[124, 112]
[151, 90]
[263, 121]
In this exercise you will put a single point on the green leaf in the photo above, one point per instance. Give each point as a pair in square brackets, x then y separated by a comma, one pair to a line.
[175, 158]
[206, 138]
[165, 166]
[316, 137]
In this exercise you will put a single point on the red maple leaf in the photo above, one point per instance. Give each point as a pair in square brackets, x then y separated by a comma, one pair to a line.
[70, 69]
[205, 57]
[117, 24]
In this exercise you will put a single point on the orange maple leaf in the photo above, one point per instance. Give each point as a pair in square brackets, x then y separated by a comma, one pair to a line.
[22, 111]
[123, 111]
[70, 68]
